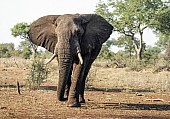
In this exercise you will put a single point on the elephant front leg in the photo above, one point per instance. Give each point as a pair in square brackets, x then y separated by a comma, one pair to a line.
[73, 99]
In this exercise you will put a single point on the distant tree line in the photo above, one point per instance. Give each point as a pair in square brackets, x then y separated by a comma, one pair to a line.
[8, 50]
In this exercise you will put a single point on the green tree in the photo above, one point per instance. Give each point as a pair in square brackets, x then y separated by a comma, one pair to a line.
[162, 21]
[164, 43]
[151, 53]
[21, 30]
[105, 52]
[24, 44]
[163, 28]
[131, 17]
[126, 42]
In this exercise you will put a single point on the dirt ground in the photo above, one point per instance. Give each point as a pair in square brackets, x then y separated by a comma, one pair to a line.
[100, 103]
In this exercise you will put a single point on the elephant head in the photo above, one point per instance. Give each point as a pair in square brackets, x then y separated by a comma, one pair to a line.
[69, 37]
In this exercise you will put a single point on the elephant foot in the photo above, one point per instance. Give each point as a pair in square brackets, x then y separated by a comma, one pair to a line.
[63, 99]
[82, 100]
[73, 102]
[74, 105]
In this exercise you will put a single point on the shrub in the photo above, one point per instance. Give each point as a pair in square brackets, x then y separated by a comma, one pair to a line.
[38, 72]
[136, 65]
[26, 53]
[161, 65]
[92, 75]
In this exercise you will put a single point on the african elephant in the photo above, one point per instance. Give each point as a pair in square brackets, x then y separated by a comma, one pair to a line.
[76, 40]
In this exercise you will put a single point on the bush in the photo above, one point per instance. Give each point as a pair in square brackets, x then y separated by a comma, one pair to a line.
[161, 65]
[26, 53]
[92, 75]
[136, 65]
[38, 72]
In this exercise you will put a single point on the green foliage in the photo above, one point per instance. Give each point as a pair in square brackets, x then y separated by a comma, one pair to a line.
[161, 64]
[168, 52]
[162, 21]
[126, 42]
[164, 44]
[105, 52]
[131, 17]
[26, 53]
[20, 29]
[163, 41]
[24, 44]
[38, 72]
[17, 53]
[6, 50]
[151, 53]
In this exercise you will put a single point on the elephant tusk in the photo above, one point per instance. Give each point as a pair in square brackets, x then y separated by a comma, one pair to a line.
[53, 56]
[80, 58]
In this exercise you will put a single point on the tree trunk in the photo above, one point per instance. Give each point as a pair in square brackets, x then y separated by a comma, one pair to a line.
[139, 54]
[138, 47]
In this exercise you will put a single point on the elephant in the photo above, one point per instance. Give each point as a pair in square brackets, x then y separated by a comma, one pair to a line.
[76, 40]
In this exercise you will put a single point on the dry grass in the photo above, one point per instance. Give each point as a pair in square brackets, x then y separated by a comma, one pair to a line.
[125, 79]
[102, 77]
[13, 62]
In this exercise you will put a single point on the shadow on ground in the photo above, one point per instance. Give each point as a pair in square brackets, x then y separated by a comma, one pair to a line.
[54, 88]
[130, 106]
[119, 90]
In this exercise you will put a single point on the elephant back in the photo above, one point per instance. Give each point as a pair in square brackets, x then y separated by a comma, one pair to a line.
[42, 32]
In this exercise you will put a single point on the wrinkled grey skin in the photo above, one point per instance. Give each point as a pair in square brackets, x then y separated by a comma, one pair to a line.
[68, 36]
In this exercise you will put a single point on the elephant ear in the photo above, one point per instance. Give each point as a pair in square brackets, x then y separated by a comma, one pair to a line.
[42, 32]
[97, 31]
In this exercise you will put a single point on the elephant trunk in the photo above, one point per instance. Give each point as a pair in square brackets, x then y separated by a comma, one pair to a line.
[65, 61]
[67, 47]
